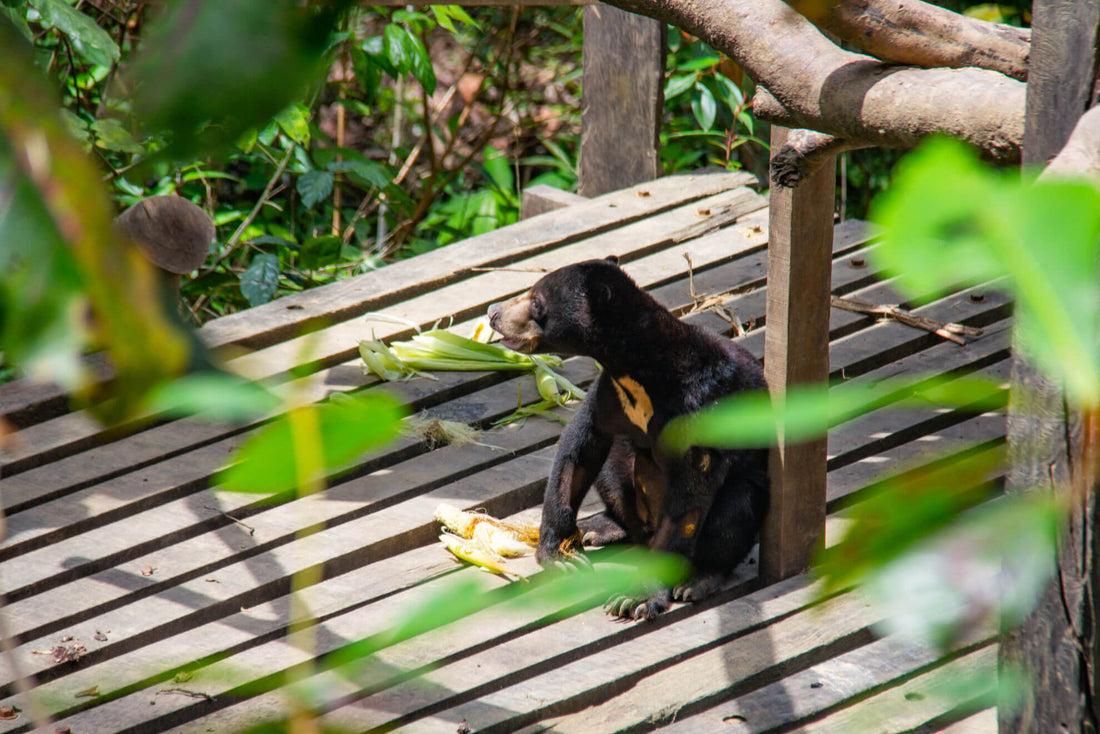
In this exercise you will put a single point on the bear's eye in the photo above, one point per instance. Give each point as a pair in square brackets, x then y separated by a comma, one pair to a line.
[536, 309]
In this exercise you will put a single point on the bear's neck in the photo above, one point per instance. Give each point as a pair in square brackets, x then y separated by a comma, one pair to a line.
[639, 347]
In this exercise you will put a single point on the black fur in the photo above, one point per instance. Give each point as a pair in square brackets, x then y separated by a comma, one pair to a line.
[708, 504]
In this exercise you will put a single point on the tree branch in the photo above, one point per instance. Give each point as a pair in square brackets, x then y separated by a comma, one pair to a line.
[852, 96]
[804, 152]
[1080, 156]
[920, 34]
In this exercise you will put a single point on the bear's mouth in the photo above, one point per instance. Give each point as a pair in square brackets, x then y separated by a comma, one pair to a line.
[523, 345]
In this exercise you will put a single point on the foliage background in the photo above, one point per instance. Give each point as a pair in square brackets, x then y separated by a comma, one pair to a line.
[425, 129]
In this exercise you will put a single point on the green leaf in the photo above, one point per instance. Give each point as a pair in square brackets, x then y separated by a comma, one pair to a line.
[939, 590]
[82, 261]
[111, 134]
[315, 186]
[16, 17]
[294, 120]
[421, 65]
[213, 396]
[807, 411]
[704, 107]
[261, 280]
[370, 172]
[398, 48]
[90, 41]
[948, 219]
[499, 169]
[678, 84]
[933, 496]
[446, 15]
[700, 63]
[317, 252]
[207, 72]
[375, 49]
[267, 463]
[368, 72]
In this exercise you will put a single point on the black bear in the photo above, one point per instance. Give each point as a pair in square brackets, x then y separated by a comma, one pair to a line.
[707, 504]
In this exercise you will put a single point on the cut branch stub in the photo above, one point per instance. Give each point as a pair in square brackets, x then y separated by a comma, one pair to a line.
[804, 152]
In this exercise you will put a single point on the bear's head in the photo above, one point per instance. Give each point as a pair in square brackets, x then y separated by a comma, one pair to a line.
[566, 311]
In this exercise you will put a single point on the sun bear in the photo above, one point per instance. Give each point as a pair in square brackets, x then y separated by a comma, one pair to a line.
[707, 504]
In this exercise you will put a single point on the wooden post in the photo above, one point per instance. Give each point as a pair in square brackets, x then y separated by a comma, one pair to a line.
[796, 350]
[622, 99]
[1056, 645]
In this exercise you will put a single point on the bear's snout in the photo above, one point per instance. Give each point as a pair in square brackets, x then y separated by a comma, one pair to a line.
[494, 315]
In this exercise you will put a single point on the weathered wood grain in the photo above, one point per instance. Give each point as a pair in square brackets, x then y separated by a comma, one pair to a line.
[811, 693]
[659, 249]
[297, 313]
[622, 102]
[796, 351]
[541, 198]
[293, 314]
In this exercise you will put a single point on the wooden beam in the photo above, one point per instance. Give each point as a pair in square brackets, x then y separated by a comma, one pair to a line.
[624, 65]
[796, 351]
[542, 198]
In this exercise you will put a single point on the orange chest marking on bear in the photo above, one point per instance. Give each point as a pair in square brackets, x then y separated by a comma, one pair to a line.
[635, 401]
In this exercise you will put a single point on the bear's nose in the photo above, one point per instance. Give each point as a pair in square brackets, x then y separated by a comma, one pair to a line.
[494, 315]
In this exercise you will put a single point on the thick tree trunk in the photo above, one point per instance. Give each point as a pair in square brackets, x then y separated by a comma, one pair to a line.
[1055, 645]
[821, 86]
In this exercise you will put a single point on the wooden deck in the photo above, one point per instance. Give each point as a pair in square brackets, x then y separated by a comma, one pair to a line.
[119, 545]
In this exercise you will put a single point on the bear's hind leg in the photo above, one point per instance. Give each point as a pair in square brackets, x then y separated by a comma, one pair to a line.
[615, 484]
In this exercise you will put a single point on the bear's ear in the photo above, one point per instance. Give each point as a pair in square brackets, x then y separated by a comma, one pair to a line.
[613, 259]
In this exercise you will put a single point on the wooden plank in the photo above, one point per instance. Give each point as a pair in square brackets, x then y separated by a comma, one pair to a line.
[471, 297]
[96, 674]
[87, 518]
[58, 437]
[296, 313]
[645, 683]
[983, 722]
[796, 352]
[622, 100]
[811, 693]
[918, 701]
[541, 198]
[251, 579]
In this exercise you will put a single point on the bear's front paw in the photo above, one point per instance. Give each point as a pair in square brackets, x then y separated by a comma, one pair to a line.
[629, 607]
[561, 555]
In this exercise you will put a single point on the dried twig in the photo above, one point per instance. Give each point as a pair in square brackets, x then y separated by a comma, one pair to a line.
[951, 331]
[251, 530]
[185, 692]
[715, 303]
[515, 269]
